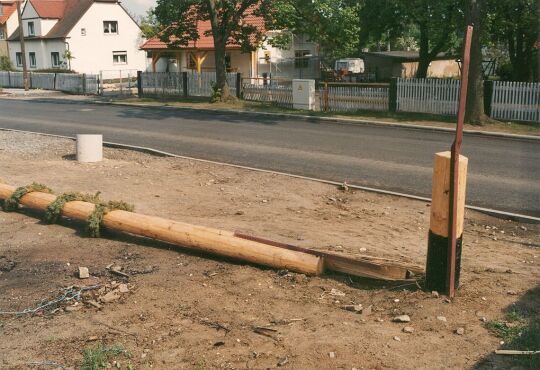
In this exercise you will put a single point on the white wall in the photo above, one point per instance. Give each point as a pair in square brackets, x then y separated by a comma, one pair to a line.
[12, 23]
[94, 52]
[298, 43]
[42, 48]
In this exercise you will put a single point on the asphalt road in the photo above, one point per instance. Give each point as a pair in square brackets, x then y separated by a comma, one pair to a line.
[504, 174]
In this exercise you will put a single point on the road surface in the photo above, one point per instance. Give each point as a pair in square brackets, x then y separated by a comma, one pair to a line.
[504, 174]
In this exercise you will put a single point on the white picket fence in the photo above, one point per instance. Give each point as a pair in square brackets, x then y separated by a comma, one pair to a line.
[280, 95]
[353, 98]
[422, 95]
[519, 101]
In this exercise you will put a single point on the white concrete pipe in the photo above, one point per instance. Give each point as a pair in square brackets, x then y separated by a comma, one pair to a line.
[89, 148]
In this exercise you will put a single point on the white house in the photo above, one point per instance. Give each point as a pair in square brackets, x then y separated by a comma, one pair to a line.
[300, 59]
[8, 23]
[87, 36]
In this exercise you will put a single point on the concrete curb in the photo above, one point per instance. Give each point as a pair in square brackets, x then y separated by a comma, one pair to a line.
[347, 121]
[160, 153]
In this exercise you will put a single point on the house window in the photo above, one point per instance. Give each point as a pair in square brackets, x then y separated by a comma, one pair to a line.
[110, 27]
[2, 34]
[83, 31]
[301, 59]
[55, 59]
[32, 57]
[119, 57]
[31, 30]
[18, 58]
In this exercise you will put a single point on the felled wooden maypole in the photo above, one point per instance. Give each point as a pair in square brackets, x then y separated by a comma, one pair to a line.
[221, 242]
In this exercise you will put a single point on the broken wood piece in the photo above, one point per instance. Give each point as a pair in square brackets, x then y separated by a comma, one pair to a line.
[202, 238]
[370, 267]
[267, 332]
[515, 352]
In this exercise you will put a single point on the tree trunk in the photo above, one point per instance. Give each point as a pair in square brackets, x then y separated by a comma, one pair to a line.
[221, 73]
[220, 41]
[424, 60]
[474, 112]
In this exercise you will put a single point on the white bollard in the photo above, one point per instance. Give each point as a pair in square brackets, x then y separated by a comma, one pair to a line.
[89, 148]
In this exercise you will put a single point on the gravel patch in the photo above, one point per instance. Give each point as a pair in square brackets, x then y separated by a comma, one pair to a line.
[31, 146]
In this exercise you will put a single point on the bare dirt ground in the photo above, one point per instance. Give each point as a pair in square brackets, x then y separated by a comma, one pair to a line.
[186, 310]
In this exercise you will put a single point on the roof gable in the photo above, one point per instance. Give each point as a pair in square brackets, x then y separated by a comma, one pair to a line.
[54, 9]
[205, 40]
[7, 10]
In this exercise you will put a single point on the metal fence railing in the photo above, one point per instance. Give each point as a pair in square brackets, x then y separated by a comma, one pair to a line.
[183, 83]
[67, 82]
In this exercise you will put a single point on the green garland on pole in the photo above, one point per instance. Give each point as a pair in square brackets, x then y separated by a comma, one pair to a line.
[12, 203]
[54, 210]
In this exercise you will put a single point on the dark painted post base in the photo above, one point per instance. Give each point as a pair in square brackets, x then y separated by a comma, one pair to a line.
[437, 263]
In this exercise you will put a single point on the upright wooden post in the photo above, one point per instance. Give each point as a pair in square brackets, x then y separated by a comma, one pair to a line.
[139, 84]
[239, 85]
[439, 233]
[185, 84]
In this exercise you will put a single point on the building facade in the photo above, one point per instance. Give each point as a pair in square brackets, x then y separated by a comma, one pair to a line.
[86, 36]
[8, 23]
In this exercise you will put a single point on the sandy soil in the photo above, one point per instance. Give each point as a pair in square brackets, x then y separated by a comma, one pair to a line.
[186, 310]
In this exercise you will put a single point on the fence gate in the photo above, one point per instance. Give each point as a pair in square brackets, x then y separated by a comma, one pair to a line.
[118, 82]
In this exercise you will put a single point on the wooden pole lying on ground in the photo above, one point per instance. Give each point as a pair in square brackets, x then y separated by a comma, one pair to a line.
[198, 237]
[439, 233]
[224, 243]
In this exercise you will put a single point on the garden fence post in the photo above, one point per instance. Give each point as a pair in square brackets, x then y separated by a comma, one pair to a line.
[139, 84]
[239, 85]
[392, 95]
[185, 84]
[488, 95]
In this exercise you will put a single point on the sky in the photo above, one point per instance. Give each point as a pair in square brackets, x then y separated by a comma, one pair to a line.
[138, 7]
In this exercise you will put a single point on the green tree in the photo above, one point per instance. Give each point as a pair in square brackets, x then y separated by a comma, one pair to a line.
[226, 18]
[515, 23]
[5, 63]
[149, 24]
[435, 23]
[333, 24]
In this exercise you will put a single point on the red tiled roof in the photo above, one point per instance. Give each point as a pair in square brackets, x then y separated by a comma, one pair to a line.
[49, 8]
[204, 42]
[8, 9]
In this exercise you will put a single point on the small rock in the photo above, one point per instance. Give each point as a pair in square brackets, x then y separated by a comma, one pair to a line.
[337, 293]
[239, 213]
[512, 292]
[523, 228]
[72, 308]
[283, 362]
[435, 294]
[408, 329]
[332, 354]
[353, 308]
[94, 303]
[460, 331]
[363, 249]
[508, 271]
[441, 318]
[483, 298]
[402, 318]
[143, 356]
[367, 311]
[123, 288]
[109, 297]
[396, 300]
[116, 268]
[92, 338]
[398, 339]
[83, 273]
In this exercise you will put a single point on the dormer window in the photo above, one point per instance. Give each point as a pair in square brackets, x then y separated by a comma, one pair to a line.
[31, 30]
[110, 27]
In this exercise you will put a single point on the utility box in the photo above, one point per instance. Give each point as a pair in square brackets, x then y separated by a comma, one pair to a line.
[304, 94]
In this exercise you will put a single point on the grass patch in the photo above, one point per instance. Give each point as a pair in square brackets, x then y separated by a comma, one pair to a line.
[96, 358]
[521, 334]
